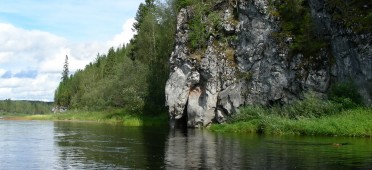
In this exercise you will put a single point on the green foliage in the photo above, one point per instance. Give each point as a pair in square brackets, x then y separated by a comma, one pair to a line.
[153, 46]
[355, 123]
[113, 81]
[205, 22]
[198, 34]
[116, 116]
[354, 14]
[131, 77]
[310, 107]
[311, 116]
[65, 72]
[248, 113]
[143, 10]
[247, 76]
[345, 92]
[24, 107]
[296, 22]
[183, 3]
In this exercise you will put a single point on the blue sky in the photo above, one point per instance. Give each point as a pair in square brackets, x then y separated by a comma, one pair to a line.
[36, 35]
[80, 20]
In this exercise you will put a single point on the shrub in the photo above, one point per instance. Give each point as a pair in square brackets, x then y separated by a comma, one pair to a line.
[345, 93]
[311, 106]
[183, 3]
[296, 22]
[248, 113]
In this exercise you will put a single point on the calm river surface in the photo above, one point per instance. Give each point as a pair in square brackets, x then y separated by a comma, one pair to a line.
[76, 145]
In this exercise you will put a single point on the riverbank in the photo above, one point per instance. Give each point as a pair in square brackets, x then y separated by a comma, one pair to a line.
[310, 117]
[352, 123]
[113, 117]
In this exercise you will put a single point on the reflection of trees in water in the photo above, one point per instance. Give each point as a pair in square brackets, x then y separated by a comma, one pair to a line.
[97, 146]
[100, 146]
[154, 139]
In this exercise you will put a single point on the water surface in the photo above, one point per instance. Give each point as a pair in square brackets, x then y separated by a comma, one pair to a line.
[76, 145]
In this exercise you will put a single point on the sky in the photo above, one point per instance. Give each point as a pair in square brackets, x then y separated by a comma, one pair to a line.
[36, 36]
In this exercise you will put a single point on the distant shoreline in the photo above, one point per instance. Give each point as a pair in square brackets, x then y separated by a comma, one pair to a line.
[118, 117]
[348, 123]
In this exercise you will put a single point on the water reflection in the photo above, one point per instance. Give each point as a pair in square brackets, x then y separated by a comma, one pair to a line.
[99, 146]
[201, 149]
[74, 145]
[26, 145]
[193, 148]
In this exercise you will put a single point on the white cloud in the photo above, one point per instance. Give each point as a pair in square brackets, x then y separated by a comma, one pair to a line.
[73, 19]
[126, 34]
[25, 51]
[2, 71]
[4, 56]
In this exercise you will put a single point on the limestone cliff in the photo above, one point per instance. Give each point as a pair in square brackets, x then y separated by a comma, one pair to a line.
[243, 63]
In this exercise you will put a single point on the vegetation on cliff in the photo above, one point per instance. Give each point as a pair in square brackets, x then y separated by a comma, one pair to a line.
[353, 14]
[296, 23]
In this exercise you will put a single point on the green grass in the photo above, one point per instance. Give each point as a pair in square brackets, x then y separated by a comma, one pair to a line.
[354, 123]
[113, 117]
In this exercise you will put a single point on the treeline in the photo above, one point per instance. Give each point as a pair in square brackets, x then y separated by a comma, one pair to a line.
[25, 107]
[131, 77]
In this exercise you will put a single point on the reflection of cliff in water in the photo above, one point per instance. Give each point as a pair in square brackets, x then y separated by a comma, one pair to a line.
[101, 146]
[201, 149]
[194, 148]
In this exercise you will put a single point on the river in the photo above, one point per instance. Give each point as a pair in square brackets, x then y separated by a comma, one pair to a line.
[76, 145]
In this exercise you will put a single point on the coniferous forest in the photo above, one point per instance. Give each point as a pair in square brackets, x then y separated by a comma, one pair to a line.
[131, 77]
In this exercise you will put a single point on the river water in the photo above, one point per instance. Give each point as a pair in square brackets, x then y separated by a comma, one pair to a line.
[75, 145]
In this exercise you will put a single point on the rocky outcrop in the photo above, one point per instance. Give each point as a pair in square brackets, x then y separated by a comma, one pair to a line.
[210, 85]
[352, 51]
[59, 109]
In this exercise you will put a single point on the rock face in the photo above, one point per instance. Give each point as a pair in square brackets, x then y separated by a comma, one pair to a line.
[212, 85]
[59, 109]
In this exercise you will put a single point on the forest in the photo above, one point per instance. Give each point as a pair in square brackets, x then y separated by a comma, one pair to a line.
[9, 106]
[131, 77]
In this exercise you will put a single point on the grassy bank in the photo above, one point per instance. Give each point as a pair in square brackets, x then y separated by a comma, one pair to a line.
[114, 117]
[312, 116]
[355, 122]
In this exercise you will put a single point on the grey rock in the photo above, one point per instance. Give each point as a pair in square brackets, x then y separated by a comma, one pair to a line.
[59, 109]
[214, 88]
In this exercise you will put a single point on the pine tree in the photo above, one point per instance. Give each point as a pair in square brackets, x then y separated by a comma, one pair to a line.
[65, 71]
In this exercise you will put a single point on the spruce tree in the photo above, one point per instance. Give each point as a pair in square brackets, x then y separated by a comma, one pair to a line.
[65, 70]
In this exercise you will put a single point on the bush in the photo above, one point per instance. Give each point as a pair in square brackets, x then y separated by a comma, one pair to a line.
[296, 22]
[310, 107]
[345, 93]
[183, 3]
[248, 113]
